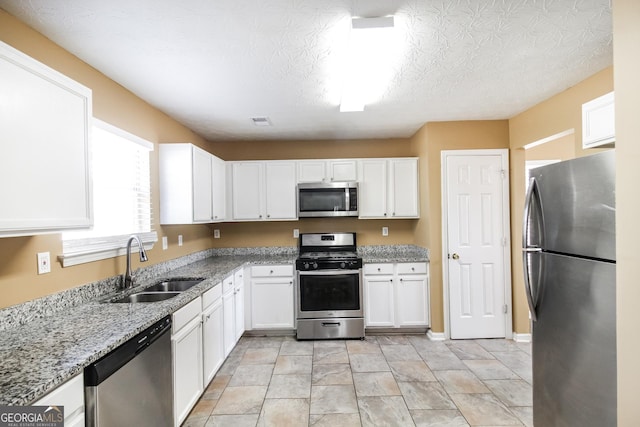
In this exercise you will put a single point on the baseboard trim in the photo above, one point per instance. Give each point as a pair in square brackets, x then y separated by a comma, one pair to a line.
[436, 336]
[521, 337]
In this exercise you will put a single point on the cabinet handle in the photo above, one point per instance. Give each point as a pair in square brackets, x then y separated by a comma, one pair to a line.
[268, 216]
[401, 280]
[270, 271]
[291, 282]
[413, 269]
[378, 268]
[208, 317]
[385, 214]
[393, 214]
[260, 216]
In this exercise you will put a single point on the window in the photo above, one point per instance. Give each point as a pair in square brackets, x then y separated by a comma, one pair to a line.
[121, 197]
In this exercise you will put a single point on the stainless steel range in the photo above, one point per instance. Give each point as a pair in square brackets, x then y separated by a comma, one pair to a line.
[329, 287]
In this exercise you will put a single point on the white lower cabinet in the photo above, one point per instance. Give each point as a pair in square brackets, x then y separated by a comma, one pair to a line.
[233, 310]
[186, 348]
[272, 297]
[396, 295]
[70, 395]
[238, 303]
[212, 333]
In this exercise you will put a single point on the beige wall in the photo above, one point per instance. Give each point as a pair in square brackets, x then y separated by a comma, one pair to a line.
[555, 115]
[113, 104]
[428, 142]
[626, 61]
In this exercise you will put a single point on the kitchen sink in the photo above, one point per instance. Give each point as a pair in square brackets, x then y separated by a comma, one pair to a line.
[146, 297]
[173, 285]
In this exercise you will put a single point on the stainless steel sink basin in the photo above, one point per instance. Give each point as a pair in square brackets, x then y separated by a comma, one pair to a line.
[146, 297]
[173, 285]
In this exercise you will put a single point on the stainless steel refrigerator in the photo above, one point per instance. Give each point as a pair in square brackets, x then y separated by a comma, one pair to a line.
[570, 275]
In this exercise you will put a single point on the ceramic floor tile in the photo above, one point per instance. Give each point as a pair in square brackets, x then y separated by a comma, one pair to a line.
[460, 382]
[203, 408]
[249, 420]
[524, 414]
[284, 413]
[241, 400]
[375, 384]
[438, 418]
[333, 399]
[512, 392]
[524, 346]
[384, 411]
[329, 343]
[399, 352]
[427, 395]
[330, 354]
[259, 356]
[251, 375]
[411, 370]
[331, 374]
[519, 362]
[293, 365]
[289, 387]
[366, 346]
[216, 386]
[490, 370]
[484, 410]
[492, 345]
[424, 344]
[296, 348]
[195, 421]
[369, 363]
[230, 365]
[262, 342]
[441, 361]
[334, 420]
[469, 350]
[392, 339]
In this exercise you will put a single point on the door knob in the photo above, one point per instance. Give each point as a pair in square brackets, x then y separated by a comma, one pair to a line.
[455, 256]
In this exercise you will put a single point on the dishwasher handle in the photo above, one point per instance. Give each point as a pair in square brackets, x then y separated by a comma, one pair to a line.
[103, 368]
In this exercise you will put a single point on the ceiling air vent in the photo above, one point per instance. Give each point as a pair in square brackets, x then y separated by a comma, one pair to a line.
[261, 121]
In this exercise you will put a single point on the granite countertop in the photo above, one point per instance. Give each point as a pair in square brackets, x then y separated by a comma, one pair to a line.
[45, 352]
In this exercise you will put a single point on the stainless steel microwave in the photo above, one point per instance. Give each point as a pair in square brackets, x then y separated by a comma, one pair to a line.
[320, 199]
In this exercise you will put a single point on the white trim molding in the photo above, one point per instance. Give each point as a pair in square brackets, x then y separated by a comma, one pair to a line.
[436, 336]
[521, 337]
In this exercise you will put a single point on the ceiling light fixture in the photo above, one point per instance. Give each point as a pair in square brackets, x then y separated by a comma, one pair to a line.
[261, 121]
[367, 66]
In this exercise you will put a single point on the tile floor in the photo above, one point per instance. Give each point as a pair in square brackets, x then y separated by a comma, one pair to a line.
[382, 381]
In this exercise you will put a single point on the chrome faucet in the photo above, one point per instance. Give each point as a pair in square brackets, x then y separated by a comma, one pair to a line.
[127, 280]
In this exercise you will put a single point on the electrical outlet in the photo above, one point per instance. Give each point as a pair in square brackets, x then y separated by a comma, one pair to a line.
[179, 239]
[385, 231]
[296, 233]
[216, 234]
[44, 263]
[165, 243]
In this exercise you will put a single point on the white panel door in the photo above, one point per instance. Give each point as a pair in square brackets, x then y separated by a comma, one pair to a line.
[476, 245]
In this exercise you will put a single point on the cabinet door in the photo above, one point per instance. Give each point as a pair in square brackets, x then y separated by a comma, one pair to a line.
[311, 170]
[280, 190]
[229, 327]
[45, 126]
[187, 368]
[412, 306]
[403, 188]
[598, 122]
[219, 188]
[202, 182]
[372, 189]
[342, 170]
[238, 301]
[272, 303]
[379, 305]
[212, 340]
[247, 190]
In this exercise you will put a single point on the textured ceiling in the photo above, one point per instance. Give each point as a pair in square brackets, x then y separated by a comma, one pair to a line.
[213, 65]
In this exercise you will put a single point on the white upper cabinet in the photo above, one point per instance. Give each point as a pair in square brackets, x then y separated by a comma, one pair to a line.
[263, 190]
[327, 170]
[598, 122]
[45, 123]
[388, 188]
[192, 185]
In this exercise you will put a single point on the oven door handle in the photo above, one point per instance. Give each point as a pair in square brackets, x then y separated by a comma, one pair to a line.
[328, 272]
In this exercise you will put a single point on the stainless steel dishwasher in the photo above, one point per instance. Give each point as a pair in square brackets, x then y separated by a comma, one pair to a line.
[132, 385]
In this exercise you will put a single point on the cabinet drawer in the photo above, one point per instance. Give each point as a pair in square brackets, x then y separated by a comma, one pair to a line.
[227, 284]
[412, 268]
[272, 271]
[70, 395]
[185, 314]
[370, 269]
[211, 296]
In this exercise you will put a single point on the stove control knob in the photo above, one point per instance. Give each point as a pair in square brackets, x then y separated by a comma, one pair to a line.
[315, 265]
[343, 265]
[306, 265]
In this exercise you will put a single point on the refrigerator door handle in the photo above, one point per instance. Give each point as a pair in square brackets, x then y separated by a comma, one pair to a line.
[526, 250]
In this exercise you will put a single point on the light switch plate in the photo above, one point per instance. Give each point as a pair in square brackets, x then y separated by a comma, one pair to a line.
[165, 243]
[216, 234]
[44, 262]
[385, 231]
[296, 233]
[179, 239]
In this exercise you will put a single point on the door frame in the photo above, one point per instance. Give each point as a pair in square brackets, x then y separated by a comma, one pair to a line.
[506, 228]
